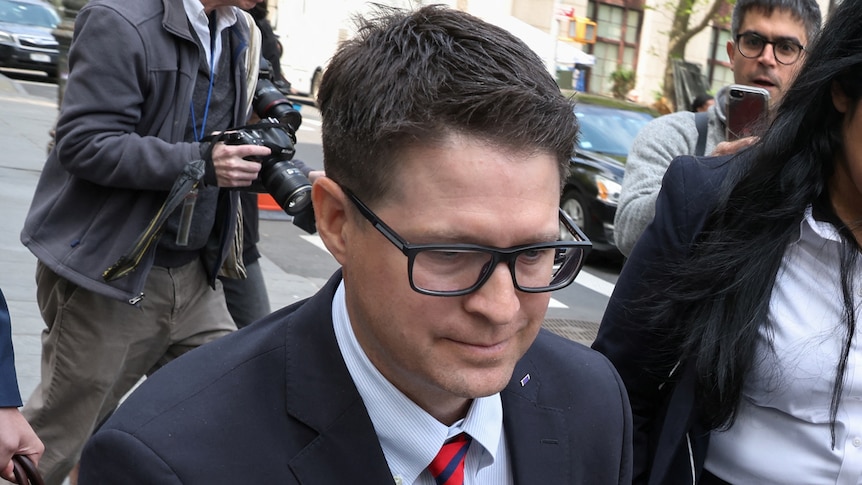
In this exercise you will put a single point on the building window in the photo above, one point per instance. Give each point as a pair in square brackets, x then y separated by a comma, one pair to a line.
[618, 33]
[720, 73]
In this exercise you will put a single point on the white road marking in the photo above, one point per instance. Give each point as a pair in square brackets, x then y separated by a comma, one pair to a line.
[314, 124]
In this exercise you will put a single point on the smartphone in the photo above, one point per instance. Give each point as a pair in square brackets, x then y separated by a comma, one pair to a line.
[747, 111]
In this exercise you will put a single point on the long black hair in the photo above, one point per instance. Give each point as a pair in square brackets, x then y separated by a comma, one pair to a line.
[718, 298]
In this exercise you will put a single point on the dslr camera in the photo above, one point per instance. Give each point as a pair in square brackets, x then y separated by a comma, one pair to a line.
[276, 131]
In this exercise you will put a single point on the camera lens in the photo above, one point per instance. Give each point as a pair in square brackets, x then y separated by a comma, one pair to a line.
[287, 186]
[269, 102]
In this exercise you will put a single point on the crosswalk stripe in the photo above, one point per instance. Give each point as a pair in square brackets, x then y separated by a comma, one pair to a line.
[310, 125]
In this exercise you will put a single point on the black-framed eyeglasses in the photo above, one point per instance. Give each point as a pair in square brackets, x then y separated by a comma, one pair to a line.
[751, 45]
[459, 269]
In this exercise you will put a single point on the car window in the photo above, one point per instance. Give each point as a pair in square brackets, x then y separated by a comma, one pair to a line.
[608, 130]
[28, 14]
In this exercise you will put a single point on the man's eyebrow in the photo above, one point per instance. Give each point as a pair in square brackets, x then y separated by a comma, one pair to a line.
[445, 241]
[780, 38]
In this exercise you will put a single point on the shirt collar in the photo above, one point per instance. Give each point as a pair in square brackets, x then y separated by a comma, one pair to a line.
[823, 229]
[409, 436]
[225, 17]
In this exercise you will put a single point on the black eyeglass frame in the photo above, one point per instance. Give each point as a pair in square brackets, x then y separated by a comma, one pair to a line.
[507, 255]
[772, 43]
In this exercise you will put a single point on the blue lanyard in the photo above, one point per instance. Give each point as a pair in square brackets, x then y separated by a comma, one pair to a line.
[199, 136]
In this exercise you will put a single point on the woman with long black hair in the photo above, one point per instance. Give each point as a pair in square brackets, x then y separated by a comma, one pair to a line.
[735, 322]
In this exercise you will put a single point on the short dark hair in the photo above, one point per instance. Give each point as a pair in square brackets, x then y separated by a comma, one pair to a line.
[700, 100]
[416, 77]
[808, 11]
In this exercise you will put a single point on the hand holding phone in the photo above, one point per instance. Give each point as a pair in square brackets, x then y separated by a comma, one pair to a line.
[747, 111]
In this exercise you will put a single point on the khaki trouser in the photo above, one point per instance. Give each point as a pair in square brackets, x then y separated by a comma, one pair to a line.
[95, 349]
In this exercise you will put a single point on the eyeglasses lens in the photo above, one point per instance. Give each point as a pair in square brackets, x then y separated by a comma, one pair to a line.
[535, 269]
[752, 45]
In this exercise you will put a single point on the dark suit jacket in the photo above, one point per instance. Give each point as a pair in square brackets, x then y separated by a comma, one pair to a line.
[274, 403]
[669, 441]
[9, 395]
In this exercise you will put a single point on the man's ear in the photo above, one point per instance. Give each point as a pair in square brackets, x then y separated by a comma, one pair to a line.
[731, 52]
[330, 212]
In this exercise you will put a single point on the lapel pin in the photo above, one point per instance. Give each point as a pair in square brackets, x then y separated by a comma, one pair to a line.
[525, 380]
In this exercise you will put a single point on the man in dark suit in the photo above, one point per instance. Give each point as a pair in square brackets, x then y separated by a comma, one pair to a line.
[16, 436]
[423, 359]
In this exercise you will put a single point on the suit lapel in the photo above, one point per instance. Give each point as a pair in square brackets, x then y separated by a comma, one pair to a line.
[324, 398]
[535, 433]
[346, 452]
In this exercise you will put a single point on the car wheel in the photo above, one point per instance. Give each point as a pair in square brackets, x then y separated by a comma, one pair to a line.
[573, 205]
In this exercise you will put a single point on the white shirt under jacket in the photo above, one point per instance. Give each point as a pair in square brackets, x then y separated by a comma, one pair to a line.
[782, 434]
[409, 436]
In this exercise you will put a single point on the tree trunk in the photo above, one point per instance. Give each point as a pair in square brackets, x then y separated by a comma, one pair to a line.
[679, 35]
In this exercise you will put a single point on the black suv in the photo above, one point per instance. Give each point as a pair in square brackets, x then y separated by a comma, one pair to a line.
[592, 190]
[25, 35]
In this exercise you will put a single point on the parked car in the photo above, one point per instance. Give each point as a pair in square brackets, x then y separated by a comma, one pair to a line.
[25, 35]
[592, 189]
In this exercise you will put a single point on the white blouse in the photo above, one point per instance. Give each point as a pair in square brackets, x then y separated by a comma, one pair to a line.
[782, 434]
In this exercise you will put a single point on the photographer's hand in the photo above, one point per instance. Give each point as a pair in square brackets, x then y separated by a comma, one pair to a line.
[231, 168]
[16, 438]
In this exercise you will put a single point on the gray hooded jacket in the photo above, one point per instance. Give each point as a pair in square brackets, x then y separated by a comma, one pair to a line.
[655, 146]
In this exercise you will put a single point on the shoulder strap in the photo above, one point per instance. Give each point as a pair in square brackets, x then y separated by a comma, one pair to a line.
[701, 121]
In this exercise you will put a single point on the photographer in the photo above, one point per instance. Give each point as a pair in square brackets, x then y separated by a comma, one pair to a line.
[130, 123]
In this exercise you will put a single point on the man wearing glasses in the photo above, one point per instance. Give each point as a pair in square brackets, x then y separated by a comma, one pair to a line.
[422, 360]
[769, 40]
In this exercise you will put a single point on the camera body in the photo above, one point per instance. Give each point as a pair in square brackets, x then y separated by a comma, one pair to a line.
[279, 176]
[287, 185]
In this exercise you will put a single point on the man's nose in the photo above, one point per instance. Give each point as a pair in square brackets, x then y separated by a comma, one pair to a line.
[497, 299]
[767, 56]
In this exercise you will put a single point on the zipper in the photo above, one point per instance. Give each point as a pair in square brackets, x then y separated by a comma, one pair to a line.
[691, 459]
[670, 374]
[136, 300]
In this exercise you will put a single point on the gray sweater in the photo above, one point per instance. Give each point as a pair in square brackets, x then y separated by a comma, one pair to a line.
[657, 144]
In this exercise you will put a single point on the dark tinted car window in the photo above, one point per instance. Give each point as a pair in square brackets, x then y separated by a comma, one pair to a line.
[608, 130]
[27, 14]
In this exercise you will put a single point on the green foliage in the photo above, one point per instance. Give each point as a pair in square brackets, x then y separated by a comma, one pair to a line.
[598, 99]
[623, 81]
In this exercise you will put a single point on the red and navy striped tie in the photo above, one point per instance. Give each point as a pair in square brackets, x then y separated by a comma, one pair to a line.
[447, 468]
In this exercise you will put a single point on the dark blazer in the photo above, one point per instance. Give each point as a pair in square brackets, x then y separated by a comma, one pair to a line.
[9, 395]
[669, 441]
[275, 403]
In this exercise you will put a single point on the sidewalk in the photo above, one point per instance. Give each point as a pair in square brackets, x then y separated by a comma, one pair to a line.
[24, 125]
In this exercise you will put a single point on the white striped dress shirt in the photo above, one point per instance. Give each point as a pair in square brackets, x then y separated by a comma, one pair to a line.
[409, 436]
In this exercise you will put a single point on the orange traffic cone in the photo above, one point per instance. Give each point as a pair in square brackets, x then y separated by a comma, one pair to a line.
[267, 203]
